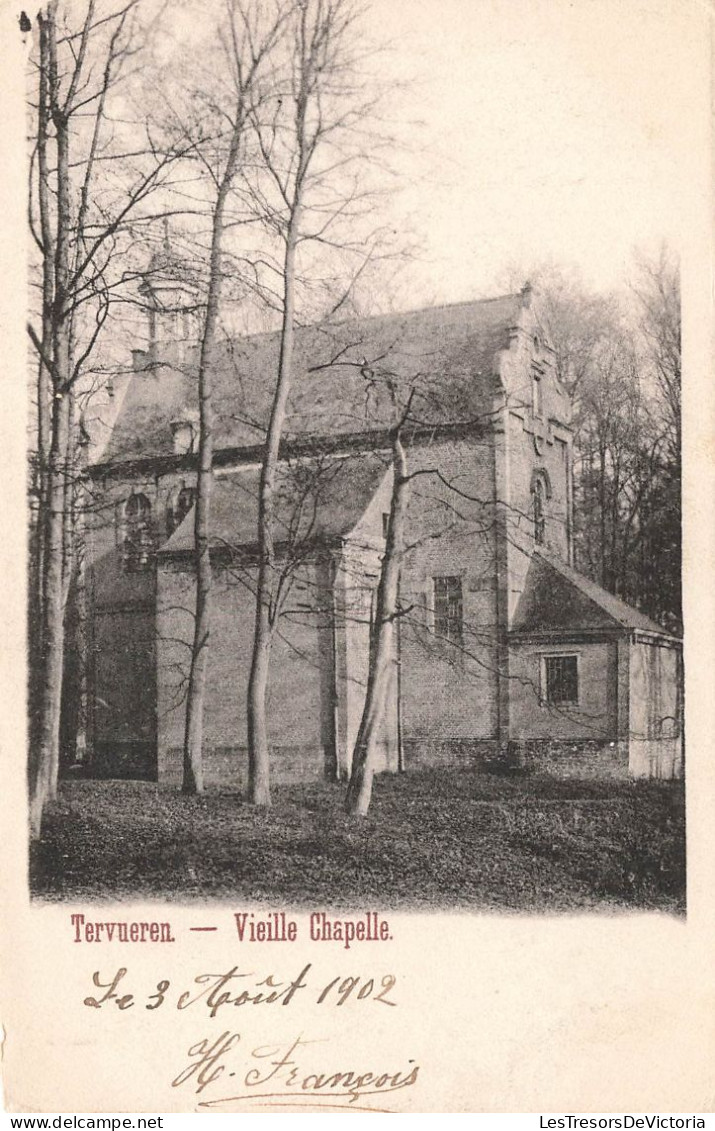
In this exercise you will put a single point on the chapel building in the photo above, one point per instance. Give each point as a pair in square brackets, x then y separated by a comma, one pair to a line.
[504, 652]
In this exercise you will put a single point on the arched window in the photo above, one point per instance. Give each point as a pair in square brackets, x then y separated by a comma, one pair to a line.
[137, 543]
[538, 495]
[178, 507]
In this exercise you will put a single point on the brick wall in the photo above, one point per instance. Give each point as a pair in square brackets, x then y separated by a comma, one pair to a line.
[457, 753]
[298, 704]
[524, 462]
[595, 716]
[532, 441]
[449, 691]
[559, 758]
[227, 766]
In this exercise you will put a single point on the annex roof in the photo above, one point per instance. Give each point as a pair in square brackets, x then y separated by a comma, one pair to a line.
[316, 499]
[448, 353]
[556, 599]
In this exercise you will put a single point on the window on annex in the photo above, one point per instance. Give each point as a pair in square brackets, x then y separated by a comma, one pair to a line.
[137, 543]
[560, 680]
[448, 610]
[178, 507]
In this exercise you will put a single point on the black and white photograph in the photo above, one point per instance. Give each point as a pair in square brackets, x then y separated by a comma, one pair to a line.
[355, 519]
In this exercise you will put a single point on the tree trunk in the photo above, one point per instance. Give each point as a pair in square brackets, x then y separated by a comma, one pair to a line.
[259, 788]
[258, 751]
[44, 762]
[74, 712]
[44, 765]
[44, 380]
[73, 716]
[357, 801]
[70, 480]
[44, 398]
[193, 781]
[602, 517]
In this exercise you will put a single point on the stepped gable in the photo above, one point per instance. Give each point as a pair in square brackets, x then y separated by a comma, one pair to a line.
[556, 598]
[448, 353]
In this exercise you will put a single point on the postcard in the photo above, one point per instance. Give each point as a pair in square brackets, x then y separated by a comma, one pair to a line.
[358, 465]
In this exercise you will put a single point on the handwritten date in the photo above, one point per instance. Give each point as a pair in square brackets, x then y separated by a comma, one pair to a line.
[235, 988]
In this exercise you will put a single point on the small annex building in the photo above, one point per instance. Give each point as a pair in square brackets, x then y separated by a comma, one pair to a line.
[582, 659]
[504, 651]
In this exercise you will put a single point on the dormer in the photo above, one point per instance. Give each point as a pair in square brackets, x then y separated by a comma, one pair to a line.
[185, 432]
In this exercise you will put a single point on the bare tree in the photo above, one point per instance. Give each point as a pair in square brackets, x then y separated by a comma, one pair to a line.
[382, 643]
[313, 153]
[83, 219]
[657, 290]
[251, 37]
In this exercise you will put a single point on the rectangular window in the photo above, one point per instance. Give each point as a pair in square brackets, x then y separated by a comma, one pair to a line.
[560, 682]
[448, 608]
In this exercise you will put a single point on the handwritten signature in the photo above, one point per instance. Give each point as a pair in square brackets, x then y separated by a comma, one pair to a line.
[273, 1075]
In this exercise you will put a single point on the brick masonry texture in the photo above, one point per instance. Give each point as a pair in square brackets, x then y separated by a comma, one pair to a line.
[562, 759]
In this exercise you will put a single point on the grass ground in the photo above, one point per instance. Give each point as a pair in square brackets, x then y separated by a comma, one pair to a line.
[432, 840]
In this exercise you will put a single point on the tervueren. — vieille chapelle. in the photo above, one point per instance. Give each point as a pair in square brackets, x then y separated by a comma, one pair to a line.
[503, 651]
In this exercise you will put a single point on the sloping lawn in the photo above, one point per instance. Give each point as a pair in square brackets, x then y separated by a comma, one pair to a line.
[433, 840]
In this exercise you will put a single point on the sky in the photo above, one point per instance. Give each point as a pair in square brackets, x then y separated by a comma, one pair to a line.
[543, 131]
[535, 132]
[532, 132]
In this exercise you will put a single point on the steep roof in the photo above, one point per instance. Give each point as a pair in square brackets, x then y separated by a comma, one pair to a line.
[448, 353]
[556, 598]
[315, 500]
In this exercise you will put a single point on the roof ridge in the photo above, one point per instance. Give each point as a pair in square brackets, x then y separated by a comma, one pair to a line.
[428, 307]
[373, 317]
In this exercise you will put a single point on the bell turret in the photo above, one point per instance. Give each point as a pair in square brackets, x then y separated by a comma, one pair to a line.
[170, 304]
